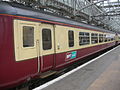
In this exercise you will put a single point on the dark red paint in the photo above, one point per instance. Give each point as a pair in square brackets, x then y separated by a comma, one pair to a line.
[13, 73]
[60, 58]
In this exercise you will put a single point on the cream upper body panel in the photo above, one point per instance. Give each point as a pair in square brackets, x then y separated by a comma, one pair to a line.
[50, 27]
[27, 32]
[21, 52]
[59, 39]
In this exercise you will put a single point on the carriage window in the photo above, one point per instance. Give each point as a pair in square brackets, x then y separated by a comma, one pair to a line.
[109, 38]
[46, 38]
[28, 36]
[94, 38]
[84, 38]
[112, 39]
[100, 38]
[105, 38]
[71, 38]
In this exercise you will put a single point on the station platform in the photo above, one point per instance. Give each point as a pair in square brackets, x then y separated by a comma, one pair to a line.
[101, 74]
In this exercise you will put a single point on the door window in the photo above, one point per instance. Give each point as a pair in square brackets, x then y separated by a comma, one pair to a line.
[71, 38]
[46, 38]
[28, 36]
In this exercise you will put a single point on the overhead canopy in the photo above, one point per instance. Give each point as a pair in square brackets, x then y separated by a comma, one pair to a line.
[102, 13]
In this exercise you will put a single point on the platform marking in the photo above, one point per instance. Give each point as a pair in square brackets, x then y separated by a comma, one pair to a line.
[72, 71]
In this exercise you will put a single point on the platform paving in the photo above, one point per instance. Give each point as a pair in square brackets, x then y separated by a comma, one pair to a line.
[109, 79]
[102, 74]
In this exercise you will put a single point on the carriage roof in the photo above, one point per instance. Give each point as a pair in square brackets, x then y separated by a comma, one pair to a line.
[21, 10]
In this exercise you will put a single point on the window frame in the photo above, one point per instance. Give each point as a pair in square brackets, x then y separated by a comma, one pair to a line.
[95, 35]
[105, 38]
[23, 37]
[83, 37]
[72, 40]
[43, 29]
[101, 36]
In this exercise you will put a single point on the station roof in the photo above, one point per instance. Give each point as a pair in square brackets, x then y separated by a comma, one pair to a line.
[102, 13]
[17, 9]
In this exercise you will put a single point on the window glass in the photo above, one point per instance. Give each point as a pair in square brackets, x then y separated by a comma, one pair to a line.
[28, 36]
[71, 38]
[113, 37]
[46, 38]
[100, 38]
[105, 38]
[94, 38]
[110, 37]
[84, 38]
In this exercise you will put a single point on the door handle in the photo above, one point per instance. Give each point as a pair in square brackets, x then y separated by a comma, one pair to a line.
[38, 54]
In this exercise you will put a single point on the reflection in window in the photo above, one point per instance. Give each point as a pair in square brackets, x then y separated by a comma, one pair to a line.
[46, 38]
[28, 36]
[105, 38]
[94, 38]
[84, 38]
[71, 38]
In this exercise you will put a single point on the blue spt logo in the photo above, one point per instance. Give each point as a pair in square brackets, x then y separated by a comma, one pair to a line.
[74, 54]
[71, 55]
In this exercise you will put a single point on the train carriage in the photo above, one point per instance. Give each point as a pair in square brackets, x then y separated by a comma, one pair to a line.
[34, 42]
[117, 38]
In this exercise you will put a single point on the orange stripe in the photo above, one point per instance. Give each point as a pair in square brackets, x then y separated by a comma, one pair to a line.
[50, 22]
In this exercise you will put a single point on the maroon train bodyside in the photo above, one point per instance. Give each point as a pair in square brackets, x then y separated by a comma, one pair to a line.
[14, 73]
[60, 58]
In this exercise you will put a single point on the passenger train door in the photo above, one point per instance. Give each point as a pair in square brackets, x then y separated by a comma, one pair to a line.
[26, 48]
[25, 36]
[47, 51]
[34, 44]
